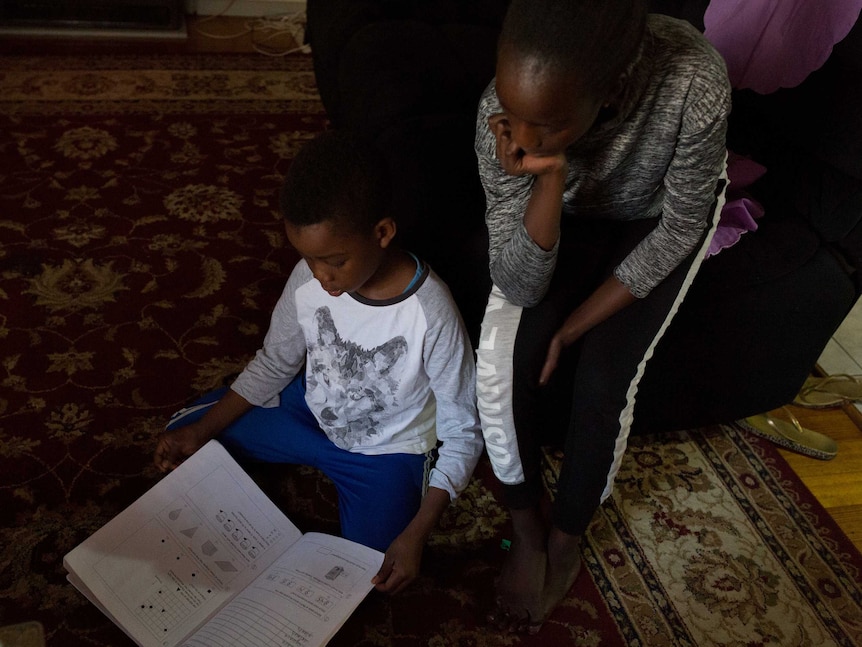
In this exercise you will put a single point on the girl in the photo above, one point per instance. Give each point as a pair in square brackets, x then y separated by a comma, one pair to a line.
[601, 149]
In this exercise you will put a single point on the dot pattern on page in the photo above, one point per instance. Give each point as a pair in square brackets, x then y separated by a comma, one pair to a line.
[162, 610]
[171, 597]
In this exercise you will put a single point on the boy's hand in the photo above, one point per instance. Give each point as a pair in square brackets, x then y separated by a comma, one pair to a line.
[514, 160]
[177, 445]
[404, 555]
[400, 564]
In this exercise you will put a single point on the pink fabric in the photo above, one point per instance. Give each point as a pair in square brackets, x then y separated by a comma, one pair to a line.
[737, 217]
[771, 44]
[741, 211]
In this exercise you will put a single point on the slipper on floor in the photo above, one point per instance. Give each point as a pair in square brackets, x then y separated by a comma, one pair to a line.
[790, 434]
[829, 391]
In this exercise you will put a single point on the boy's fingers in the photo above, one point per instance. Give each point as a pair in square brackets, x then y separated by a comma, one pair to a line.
[164, 456]
[158, 457]
[380, 580]
[392, 583]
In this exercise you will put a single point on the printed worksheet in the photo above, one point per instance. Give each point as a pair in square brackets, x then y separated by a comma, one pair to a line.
[206, 535]
[300, 601]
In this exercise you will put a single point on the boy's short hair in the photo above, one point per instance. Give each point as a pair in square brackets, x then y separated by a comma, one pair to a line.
[339, 175]
[593, 40]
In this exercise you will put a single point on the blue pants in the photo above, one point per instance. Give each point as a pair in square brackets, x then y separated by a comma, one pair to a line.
[377, 495]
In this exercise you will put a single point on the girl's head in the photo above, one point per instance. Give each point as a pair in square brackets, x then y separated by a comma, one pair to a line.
[559, 62]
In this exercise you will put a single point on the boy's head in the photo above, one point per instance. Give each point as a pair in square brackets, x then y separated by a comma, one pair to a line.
[337, 177]
[336, 203]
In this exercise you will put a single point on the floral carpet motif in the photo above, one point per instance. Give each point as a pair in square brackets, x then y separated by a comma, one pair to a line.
[140, 255]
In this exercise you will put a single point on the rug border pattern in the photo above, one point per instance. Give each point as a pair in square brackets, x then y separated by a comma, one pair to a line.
[264, 92]
[757, 462]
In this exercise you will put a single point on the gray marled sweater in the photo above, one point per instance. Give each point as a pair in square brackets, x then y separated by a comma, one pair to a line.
[660, 155]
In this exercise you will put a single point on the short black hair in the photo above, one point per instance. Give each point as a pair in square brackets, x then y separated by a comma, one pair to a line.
[338, 175]
[593, 40]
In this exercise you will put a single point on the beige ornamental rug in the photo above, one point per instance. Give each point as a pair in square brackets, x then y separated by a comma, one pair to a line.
[709, 539]
[141, 252]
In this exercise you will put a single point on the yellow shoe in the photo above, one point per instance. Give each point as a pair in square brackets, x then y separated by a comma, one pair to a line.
[829, 391]
[790, 434]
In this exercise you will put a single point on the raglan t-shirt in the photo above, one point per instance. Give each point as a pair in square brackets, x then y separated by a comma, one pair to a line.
[660, 154]
[382, 377]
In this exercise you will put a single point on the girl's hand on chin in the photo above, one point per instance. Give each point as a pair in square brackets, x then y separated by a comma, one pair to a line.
[543, 164]
[514, 160]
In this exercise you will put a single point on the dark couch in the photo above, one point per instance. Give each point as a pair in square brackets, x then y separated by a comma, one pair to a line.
[409, 73]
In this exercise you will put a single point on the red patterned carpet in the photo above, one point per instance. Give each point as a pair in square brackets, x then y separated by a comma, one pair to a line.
[140, 254]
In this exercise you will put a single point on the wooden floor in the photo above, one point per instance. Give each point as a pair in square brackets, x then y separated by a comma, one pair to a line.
[837, 484]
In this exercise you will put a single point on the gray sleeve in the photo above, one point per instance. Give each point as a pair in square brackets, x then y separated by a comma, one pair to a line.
[451, 368]
[283, 352]
[689, 185]
[519, 267]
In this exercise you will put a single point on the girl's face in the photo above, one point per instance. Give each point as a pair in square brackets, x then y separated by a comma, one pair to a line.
[546, 111]
[340, 261]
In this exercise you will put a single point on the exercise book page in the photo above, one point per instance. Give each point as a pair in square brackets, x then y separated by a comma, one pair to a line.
[301, 600]
[169, 561]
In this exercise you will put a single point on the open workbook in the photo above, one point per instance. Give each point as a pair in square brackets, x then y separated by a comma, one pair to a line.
[205, 559]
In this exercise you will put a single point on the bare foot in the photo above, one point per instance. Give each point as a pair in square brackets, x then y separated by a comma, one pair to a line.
[521, 583]
[534, 580]
[564, 566]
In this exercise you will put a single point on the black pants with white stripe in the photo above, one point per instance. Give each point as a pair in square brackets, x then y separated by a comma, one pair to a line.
[587, 407]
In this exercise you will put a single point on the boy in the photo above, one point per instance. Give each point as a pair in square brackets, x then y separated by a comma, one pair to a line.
[365, 367]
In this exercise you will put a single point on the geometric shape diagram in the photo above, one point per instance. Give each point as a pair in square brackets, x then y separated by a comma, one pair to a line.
[189, 532]
[227, 567]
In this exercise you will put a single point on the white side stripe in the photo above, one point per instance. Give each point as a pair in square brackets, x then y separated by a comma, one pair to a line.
[627, 414]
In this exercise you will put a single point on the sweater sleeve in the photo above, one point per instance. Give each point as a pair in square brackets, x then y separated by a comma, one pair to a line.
[451, 369]
[283, 353]
[518, 266]
[689, 184]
